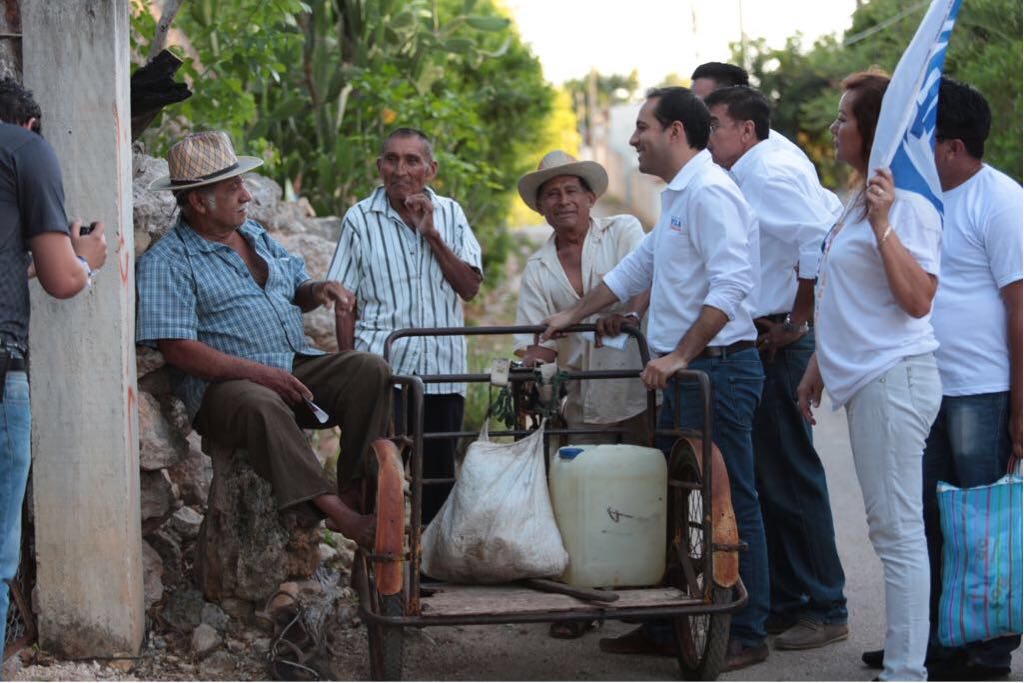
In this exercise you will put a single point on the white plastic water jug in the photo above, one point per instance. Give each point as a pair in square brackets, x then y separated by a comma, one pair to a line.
[610, 505]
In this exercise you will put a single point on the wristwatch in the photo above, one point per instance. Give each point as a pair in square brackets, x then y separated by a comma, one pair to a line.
[789, 326]
[632, 314]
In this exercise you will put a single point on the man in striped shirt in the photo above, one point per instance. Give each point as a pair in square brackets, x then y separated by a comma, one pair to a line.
[411, 259]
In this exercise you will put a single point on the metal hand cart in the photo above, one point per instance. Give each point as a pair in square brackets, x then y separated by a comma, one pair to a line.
[700, 587]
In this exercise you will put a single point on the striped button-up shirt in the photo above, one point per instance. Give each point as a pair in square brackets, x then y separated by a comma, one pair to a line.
[398, 284]
[192, 288]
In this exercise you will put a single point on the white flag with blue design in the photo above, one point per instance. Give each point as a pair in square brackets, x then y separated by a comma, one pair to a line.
[905, 136]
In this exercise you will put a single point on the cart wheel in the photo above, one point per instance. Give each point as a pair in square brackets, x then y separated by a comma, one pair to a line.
[701, 639]
[386, 641]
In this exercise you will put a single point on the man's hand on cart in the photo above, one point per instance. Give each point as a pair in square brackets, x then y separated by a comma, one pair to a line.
[660, 370]
[611, 325]
[558, 322]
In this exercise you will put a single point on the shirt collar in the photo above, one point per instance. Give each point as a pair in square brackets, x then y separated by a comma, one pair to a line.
[194, 243]
[689, 171]
[549, 252]
[745, 164]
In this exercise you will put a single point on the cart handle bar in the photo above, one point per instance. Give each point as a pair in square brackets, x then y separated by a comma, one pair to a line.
[634, 332]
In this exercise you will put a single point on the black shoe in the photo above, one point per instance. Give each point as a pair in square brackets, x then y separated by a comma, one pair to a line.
[979, 672]
[873, 658]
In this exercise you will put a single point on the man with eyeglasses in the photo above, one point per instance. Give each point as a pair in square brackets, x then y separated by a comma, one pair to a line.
[794, 212]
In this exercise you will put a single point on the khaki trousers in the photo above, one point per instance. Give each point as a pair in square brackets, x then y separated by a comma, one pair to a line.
[352, 387]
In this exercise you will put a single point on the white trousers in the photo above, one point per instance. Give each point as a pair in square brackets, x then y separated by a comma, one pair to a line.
[889, 420]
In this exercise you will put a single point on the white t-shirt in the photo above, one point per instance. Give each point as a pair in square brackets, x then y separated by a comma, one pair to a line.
[981, 254]
[861, 331]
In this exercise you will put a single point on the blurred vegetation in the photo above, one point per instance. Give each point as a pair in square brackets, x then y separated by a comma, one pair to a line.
[313, 86]
[984, 51]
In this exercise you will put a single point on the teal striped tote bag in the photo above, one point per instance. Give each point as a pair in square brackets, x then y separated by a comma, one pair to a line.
[981, 561]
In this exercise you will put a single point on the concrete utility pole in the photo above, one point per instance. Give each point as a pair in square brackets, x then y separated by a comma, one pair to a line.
[85, 419]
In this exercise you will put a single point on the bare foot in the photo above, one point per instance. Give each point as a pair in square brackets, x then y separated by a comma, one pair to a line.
[360, 528]
[343, 519]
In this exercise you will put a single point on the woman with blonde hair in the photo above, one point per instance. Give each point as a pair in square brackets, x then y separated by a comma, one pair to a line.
[878, 275]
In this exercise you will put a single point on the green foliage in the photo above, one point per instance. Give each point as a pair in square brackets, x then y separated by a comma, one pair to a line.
[314, 87]
[984, 51]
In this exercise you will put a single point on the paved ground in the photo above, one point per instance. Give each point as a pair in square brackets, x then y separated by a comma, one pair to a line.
[526, 653]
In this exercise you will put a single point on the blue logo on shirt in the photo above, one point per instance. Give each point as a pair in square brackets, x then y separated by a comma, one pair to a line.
[676, 223]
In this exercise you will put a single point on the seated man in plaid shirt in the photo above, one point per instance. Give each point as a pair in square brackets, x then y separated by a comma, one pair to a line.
[223, 302]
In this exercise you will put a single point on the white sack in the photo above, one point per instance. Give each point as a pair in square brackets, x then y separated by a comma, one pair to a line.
[497, 525]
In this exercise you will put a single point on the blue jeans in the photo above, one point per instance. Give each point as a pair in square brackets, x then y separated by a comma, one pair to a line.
[969, 445]
[15, 458]
[806, 575]
[737, 382]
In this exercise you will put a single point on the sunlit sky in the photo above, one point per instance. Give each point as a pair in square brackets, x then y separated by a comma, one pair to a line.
[657, 37]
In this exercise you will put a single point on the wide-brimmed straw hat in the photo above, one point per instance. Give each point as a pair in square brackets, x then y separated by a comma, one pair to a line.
[203, 159]
[558, 163]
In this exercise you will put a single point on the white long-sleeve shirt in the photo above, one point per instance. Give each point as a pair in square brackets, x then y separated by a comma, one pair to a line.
[794, 213]
[702, 252]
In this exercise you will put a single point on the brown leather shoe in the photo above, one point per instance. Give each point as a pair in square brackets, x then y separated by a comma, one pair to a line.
[808, 634]
[636, 642]
[739, 656]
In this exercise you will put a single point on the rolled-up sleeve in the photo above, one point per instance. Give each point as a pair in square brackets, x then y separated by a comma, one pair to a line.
[534, 305]
[720, 235]
[788, 213]
[167, 301]
[635, 272]
[467, 248]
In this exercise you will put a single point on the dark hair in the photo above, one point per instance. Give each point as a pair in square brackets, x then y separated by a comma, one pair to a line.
[409, 133]
[743, 103]
[680, 104]
[963, 115]
[722, 74]
[583, 183]
[870, 87]
[17, 105]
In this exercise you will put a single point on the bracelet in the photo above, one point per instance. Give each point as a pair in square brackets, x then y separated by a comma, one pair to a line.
[87, 269]
[632, 314]
[885, 236]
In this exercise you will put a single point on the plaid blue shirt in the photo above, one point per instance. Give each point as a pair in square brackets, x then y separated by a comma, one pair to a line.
[191, 288]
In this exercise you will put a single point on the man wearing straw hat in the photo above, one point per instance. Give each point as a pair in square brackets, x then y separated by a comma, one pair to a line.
[223, 302]
[575, 258]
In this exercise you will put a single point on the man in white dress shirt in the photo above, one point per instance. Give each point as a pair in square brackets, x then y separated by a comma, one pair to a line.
[711, 76]
[794, 212]
[701, 264]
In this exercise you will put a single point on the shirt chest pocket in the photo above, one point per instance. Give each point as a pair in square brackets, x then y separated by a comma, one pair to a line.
[225, 291]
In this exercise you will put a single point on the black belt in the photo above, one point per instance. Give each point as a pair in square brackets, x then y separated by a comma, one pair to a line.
[10, 361]
[726, 351]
